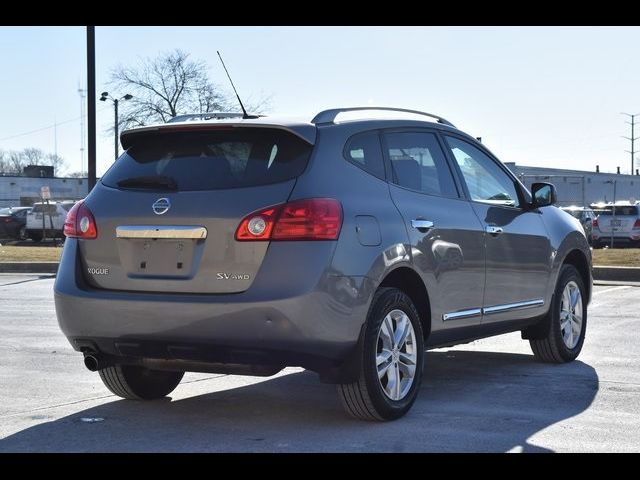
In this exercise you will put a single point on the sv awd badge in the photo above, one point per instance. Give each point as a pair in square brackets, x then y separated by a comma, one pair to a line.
[233, 276]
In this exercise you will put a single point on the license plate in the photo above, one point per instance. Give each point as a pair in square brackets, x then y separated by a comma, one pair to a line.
[616, 223]
[38, 216]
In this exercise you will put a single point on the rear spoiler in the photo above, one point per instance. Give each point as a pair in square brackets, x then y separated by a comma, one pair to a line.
[306, 132]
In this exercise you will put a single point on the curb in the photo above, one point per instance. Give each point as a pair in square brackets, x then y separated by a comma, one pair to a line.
[619, 274]
[607, 273]
[28, 267]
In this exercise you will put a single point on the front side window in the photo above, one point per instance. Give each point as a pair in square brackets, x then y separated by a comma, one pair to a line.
[419, 163]
[486, 181]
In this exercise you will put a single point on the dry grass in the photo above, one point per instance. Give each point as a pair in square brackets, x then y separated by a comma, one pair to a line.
[29, 254]
[629, 257]
[624, 257]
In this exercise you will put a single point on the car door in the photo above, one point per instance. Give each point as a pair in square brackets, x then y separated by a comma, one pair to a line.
[445, 234]
[518, 251]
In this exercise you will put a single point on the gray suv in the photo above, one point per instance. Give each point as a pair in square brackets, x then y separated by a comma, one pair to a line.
[244, 245]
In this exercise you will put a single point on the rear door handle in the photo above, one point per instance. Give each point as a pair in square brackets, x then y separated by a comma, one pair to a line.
[493, 230]
[422, 225]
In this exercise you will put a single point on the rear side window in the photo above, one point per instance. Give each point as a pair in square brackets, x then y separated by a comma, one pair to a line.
[620, 210]
[419, 163]
[229, 158]
[364, 151]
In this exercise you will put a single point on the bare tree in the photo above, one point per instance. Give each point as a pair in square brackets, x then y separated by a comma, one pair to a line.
[12, 162]
[168, 85]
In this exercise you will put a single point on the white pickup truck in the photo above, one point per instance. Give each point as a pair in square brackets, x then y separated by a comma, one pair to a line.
[48, 219]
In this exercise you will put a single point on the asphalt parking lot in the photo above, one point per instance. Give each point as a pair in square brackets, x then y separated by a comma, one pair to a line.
[484, 396]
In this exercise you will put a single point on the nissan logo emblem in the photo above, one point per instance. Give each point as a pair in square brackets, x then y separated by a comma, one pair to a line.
[160, 206]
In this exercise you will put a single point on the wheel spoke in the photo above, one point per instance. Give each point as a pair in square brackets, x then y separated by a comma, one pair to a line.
[386, 333]
[397, 384]
[575, 295]
[403, 326]
[392, 381]
[564, 325]
[407, 369]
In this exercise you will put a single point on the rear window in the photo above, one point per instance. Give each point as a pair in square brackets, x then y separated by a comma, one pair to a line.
[230, 158]
[620, 210]
[49, 209]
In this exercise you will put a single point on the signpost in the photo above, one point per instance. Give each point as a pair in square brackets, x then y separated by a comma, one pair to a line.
[45, 193]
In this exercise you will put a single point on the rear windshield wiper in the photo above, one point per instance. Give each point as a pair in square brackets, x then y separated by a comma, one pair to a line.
[150, 181]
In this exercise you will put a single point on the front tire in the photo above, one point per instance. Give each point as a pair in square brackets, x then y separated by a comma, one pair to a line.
[139, 383]
[567, 320]
[392, 359]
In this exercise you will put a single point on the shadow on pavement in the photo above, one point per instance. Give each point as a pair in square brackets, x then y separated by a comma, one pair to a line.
[470, 401]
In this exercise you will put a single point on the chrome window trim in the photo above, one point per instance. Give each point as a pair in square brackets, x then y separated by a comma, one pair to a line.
[161, 231]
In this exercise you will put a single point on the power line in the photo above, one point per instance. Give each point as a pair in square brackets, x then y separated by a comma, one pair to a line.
[44, 128]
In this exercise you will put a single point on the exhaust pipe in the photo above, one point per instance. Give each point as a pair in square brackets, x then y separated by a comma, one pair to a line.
[92, 363]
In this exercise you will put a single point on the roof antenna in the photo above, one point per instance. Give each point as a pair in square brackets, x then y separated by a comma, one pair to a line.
[245, 115]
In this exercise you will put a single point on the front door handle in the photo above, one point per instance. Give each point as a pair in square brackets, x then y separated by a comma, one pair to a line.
[421, 225]
[493, 230]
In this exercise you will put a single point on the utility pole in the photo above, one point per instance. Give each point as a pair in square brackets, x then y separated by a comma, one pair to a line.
[83, 94]
[115, 130]
[632, 139]
[91, 106]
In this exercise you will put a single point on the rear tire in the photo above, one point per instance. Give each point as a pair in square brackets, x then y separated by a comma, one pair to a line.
[36, 237]
[393, 344]
[139, 383]
[567, 320]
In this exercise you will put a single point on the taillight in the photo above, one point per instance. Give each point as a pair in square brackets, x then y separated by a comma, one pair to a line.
[310, 219]
[637, 223]
[595, 223]
[80, 222]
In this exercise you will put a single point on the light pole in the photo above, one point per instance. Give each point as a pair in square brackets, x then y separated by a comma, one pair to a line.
[103, 98]
[613, 211]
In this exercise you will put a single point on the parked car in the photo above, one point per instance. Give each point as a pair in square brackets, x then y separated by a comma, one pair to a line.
[620, 222]
[52, 224]
[13, 222]
[244, 245]
[586, 216]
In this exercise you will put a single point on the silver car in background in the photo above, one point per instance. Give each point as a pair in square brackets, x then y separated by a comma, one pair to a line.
[617, 223]
[242, 245]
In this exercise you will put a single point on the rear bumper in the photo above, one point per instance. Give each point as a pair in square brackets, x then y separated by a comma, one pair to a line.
[618, 237]
[312, 327]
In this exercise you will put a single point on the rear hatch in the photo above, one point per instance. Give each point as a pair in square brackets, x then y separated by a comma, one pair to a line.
[168, 209]
[620, 222]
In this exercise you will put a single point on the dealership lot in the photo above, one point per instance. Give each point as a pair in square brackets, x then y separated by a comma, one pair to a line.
[484, 396]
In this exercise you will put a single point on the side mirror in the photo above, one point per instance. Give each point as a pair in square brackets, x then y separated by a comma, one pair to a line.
[544, 194]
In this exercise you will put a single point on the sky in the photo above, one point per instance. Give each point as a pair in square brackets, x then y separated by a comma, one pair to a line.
[538, 96]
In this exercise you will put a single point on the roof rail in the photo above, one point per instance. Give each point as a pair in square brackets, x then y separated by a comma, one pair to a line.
[206, 116]
[329, 116]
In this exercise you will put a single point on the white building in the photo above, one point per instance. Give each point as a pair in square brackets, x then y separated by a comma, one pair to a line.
[23, 191]
[578, 187]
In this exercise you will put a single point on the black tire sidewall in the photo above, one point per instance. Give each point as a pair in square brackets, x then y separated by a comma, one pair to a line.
[388, 300]
[567, 274]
